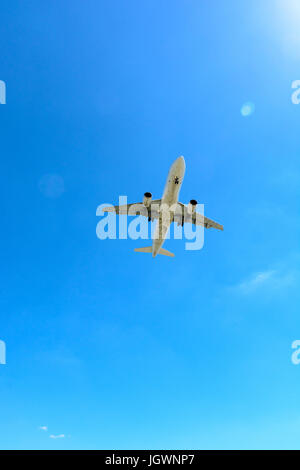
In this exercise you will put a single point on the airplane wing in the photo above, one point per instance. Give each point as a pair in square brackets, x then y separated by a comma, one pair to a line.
[137, 208]
[182, 215]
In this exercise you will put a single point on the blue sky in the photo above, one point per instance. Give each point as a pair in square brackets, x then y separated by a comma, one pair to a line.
[110, 348]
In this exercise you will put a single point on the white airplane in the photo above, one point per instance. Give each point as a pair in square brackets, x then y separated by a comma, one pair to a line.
[166, 210]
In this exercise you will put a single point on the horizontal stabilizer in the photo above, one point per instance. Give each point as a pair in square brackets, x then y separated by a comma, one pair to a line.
[148, 249]
[164, 252]
[144, 249]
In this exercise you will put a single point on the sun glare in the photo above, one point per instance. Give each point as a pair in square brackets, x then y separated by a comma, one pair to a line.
[289, 11]
[288, 20]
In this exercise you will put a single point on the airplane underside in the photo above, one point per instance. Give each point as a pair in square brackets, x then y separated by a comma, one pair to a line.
[166, 210]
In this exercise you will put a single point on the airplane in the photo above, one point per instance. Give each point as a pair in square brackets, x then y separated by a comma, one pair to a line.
[166, 210]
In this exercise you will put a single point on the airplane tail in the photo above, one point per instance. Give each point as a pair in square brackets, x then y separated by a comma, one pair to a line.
[148, 249]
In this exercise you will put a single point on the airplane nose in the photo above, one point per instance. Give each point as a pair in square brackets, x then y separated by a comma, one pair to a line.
[179, 166]
[181, 163]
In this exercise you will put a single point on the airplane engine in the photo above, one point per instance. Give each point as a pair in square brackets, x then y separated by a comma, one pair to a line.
[192, 206]
[147, 199]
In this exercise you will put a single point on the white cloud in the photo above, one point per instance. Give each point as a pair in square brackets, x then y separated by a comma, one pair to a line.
[52, 436]
[43, 428]
[256, 281]
[270, 279]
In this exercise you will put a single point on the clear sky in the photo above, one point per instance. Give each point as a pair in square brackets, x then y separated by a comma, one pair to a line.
[107, 348]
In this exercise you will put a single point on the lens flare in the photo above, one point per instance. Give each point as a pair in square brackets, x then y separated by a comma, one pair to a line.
[247, 109]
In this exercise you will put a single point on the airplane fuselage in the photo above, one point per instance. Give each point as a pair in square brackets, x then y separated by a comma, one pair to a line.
[170, 198]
